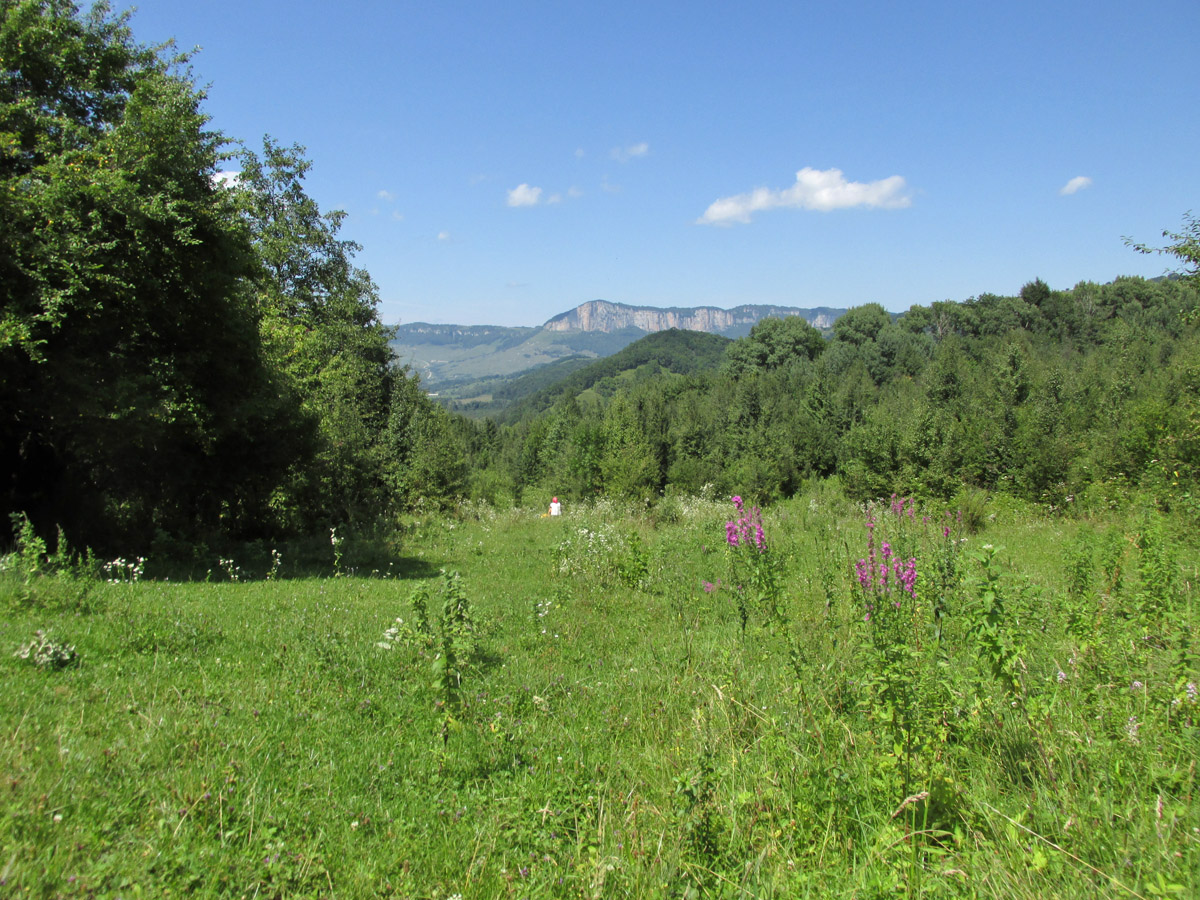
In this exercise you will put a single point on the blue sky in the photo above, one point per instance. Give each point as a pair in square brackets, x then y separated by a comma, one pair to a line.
[504, 162]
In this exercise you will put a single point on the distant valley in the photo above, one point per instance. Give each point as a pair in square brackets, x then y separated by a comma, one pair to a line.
[469, 365]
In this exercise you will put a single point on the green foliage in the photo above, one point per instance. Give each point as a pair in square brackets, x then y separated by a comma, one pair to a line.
[1184, 246]
[133, 388]
[1157, 573]
[29, 552]
[773, 343]
[321, 332]
[672, 350]
[862, 324]
[989, 625]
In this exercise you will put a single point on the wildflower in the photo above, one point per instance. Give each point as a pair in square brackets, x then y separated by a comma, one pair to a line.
[731, 535]
[1136, 686]
[1131, 729]
[1061, 676]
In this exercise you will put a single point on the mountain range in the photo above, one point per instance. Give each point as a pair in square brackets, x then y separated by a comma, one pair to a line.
[469, 363]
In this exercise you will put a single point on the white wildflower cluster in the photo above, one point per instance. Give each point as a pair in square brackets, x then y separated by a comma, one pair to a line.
[47, 654]
[276, 562]
[1189, 695]
[592, 552]
[122, 571]
[233, 570]
[542, 609]
[1131, 729]
[400, 634]
[703, 507]
[478, 510]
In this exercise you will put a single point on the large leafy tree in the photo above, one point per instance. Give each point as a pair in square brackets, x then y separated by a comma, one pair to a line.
[132, 392]
[772, 343]
[318, 315]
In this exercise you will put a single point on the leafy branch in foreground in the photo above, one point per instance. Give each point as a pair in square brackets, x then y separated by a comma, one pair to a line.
[1185, 245]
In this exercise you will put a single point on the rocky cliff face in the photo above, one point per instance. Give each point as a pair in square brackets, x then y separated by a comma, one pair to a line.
[600, 315]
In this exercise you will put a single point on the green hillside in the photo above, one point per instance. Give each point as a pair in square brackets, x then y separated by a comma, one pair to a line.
[464, 360]
[678, 352]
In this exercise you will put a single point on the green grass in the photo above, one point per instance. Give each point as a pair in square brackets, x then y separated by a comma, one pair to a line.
[617, 736]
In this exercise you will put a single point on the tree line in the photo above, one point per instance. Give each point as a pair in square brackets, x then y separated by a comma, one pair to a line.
[1053, 396]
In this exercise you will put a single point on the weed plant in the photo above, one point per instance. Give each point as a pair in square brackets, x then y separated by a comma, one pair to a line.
[1023, 724]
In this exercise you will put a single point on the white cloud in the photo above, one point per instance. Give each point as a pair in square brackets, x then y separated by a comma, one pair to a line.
[814, 189]
[1078, 183]
[397, 215]
[554, 198]
[574, 193]
[625, 154]
[524, 195]
[386, 195]
[226, 179]
[443, 235]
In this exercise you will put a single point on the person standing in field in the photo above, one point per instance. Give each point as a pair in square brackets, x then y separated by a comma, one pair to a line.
[555, 507]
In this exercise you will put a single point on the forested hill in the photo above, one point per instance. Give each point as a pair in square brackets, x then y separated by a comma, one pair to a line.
[671, 351]
[1065, 397]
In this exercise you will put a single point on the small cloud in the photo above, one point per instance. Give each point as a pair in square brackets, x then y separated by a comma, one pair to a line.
[443, 235]
[1076, 184]
[386, 196]
[397, 215]
[814, 189]
[554, 198]
[625, 154]
[226, 179]
[574, 193]
[579, 154]
[524, 195]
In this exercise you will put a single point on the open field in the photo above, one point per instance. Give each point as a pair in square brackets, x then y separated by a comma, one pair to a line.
[592, 709]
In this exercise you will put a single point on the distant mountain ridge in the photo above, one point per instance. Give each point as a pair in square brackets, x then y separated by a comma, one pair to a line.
[603, 315]
[473, 363]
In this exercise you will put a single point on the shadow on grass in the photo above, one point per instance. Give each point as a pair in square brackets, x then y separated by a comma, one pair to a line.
[304, 558]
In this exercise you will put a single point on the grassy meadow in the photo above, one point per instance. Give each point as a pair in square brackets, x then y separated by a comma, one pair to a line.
[997, 701]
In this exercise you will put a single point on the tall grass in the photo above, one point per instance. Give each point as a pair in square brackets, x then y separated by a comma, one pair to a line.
[1021, 725]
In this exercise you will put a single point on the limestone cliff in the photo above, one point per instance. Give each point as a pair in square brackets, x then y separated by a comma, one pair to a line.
[601, 315]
